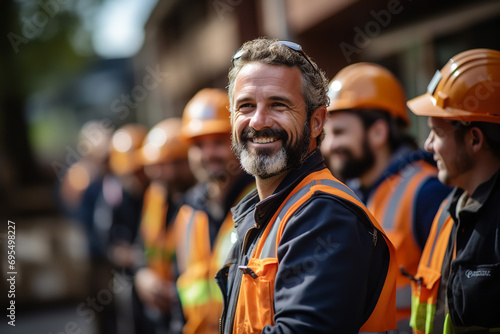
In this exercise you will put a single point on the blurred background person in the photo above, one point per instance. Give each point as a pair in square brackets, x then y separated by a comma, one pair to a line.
[164, 155]
[116, 220]
[95, 138]
[123, 193]
[81, 192]
[82, 182]
[85, 206]
[366, 146]
[204, 224]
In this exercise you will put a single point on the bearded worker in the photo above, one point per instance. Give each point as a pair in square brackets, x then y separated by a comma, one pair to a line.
[308, 256]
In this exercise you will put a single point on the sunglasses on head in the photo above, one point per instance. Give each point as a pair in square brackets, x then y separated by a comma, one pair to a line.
[291, 45]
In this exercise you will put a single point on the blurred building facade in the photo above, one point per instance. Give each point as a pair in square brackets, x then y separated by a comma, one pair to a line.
[193, 42]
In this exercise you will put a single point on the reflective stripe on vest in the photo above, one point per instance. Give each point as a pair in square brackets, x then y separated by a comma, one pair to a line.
[201, 301]
[255, 308]
[393, 205]
[406, 177]
[269, 248]
[193, 282]
[201, 298]
[157, 237]
[442, 218]
[183, 230]
[196, 293]
[426, 285]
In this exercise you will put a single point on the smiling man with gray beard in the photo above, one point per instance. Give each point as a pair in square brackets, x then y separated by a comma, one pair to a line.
[308, 256]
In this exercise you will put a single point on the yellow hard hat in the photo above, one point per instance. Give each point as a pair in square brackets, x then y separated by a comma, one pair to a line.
[124, 155]
[163, 143]
[206, 113]
[367, 86]
[466, 89]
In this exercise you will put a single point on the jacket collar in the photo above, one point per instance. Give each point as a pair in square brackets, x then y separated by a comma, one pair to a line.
[264, 210]
[478, 198]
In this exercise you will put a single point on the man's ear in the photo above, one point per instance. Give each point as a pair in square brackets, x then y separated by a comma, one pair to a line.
[476, 139]
[378, 133]
[317, 122]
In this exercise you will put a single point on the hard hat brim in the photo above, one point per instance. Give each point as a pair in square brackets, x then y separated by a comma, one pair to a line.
[424, 105]
[207, 127]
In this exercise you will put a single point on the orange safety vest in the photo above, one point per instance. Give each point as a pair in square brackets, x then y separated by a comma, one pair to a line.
[393, 204]
[426, 284]
[158, 237]
[200, 296]
[255, 305]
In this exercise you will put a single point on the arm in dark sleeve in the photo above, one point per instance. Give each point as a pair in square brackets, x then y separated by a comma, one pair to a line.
[323, 279]
[430, 196]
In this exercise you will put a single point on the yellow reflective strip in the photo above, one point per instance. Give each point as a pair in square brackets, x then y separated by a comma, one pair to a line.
[196, 293]
[152, 252]
[429, 318]
[422, 315]
[415, 311]
[448, 326]
[215, 292]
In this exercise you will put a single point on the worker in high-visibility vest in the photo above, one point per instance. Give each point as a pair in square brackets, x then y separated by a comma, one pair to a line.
[204, 225]
[164, 156]
[366, 145]
[309, 256]
[456, 288]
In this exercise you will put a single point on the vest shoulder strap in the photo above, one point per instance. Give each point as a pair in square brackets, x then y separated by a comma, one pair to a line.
[322, 181]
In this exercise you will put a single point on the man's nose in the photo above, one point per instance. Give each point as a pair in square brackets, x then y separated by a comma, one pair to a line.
[261, 118]
[428, 145]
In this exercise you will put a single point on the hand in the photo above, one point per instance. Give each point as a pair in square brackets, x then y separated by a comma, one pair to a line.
[153, 291]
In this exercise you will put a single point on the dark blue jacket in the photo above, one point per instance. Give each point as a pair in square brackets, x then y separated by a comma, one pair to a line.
[330, 270]
[470, 284]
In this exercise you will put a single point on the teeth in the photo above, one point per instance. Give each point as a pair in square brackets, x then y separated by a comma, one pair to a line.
[264, 140]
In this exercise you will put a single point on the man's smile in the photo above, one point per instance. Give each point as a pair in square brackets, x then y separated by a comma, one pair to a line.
[264, 140]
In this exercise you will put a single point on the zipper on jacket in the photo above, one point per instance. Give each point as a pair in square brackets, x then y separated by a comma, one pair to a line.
[375, 236]
[223, 288]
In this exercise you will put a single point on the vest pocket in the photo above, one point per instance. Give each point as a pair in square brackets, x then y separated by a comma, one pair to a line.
[255, 307]
[474, 295]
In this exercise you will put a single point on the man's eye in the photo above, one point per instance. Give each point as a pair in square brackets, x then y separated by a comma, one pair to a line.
[245, 107]
[279, 106]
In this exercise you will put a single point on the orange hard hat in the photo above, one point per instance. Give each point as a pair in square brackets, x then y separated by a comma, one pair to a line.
[206, 113]
[124, 155]
[367, 86]
[466, 89]
[163, 143]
